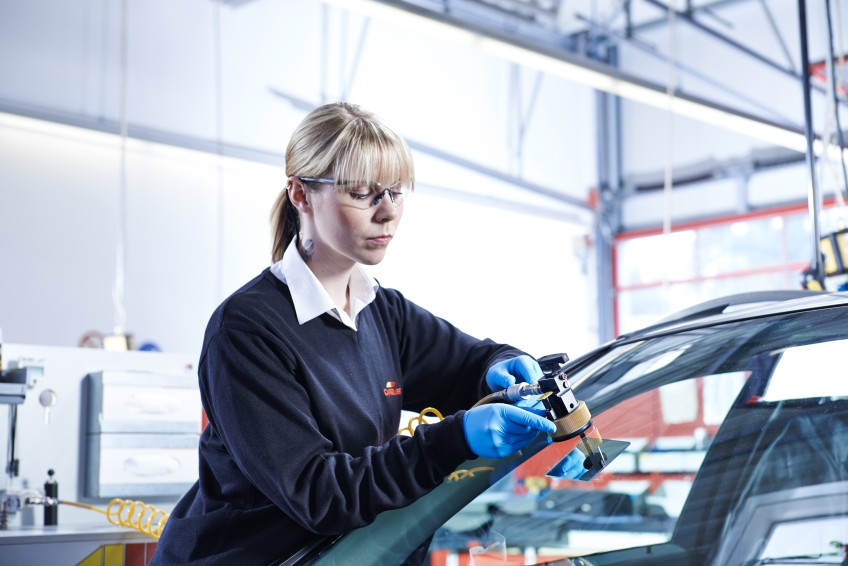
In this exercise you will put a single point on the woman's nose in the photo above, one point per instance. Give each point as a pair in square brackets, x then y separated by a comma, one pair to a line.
[386, 209]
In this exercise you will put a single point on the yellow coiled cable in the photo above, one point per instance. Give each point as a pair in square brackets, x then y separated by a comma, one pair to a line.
[415, 421]
[137, 515]
[131, 514]
[462, 474]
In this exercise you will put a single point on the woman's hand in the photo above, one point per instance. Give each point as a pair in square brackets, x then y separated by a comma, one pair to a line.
[509, 372]
[498, 430]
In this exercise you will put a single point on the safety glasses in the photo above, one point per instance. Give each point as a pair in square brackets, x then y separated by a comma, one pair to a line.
[363, 195]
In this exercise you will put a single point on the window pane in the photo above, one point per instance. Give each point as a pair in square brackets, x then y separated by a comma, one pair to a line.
[638, 308]
[740, 246]
[654, 259]
[798, 238]
[714, 288]
[642, 307]
[807, 538]
[711, 263]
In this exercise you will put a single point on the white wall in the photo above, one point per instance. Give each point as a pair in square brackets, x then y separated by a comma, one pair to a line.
[60, 240]
[63, 56]
[197, 227]
[497, 273]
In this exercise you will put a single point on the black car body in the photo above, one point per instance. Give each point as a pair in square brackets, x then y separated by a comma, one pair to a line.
[737, 416]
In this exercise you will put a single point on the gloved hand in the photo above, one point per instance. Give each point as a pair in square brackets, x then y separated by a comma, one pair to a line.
[498, 430]
[532, 404]
[508, 372]
[570, 467]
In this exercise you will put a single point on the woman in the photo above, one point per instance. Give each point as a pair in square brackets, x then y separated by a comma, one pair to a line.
[304, 370]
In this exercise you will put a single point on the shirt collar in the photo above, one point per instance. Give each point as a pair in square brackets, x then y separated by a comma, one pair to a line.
[310, 298]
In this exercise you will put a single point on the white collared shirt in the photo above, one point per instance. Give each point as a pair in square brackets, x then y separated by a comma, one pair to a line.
[311, 299]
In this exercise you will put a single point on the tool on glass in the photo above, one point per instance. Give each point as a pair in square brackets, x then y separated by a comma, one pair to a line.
[571, 417]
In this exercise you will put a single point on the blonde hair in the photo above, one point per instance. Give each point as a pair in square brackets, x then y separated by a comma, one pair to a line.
[342, 141]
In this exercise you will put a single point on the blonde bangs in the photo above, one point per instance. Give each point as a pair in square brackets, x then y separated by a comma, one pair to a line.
[372, 154]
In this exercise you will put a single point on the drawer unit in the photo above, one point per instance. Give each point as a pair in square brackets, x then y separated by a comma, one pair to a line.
[142, 434]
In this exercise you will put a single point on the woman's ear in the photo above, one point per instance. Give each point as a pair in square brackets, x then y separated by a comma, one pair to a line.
[298, 194]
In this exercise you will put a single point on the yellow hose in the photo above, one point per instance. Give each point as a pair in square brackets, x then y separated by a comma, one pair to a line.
[137, 515]
[415, 421]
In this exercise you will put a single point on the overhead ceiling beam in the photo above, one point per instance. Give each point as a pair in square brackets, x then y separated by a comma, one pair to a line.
[652, 51]
[688, 17]
[581, 70]
[685, 16]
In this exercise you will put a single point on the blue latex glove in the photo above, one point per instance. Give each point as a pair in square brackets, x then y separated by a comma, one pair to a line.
[533, 404]
[570, 467]
[498, 430]
[509, 372]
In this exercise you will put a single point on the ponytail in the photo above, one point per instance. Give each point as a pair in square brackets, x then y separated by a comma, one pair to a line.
[285, 224]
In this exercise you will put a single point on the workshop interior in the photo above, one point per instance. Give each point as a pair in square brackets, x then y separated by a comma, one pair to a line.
[663, 181]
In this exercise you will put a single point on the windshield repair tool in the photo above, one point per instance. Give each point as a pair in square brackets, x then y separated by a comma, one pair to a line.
[570, 415]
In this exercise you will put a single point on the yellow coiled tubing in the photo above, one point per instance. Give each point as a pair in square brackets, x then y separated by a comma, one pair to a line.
[149, 520]
[415, 421]
[137, 515]
[462, 474]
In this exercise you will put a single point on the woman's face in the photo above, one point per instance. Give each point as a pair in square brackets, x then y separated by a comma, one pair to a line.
[342, 232]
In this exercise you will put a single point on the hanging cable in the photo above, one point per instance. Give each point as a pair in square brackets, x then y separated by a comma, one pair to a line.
[837, 6]
[325, 42]
[828, 135]
[667, 174]
[841, 80]
[833, 89]
[219, 148]
[514, 119]
[121, 236]
[827, 160]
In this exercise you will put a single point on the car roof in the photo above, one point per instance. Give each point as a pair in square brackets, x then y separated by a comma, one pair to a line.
[743, 306]
[732, 308]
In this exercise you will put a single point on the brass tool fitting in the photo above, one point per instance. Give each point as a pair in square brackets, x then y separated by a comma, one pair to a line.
[573, 423]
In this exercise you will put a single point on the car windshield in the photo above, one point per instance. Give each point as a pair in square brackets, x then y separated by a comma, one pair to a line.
[737, 454]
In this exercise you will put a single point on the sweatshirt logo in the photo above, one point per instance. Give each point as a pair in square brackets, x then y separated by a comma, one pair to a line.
[392, 389]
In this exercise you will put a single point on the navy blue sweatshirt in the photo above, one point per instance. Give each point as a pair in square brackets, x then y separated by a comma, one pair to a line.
[302, 436]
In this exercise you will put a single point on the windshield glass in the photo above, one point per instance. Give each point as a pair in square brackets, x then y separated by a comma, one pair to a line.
[738, 454]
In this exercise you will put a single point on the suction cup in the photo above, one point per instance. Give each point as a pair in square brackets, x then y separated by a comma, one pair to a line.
[581, 467]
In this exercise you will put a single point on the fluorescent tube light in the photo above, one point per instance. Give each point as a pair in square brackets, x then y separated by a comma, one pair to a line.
[109, 140]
